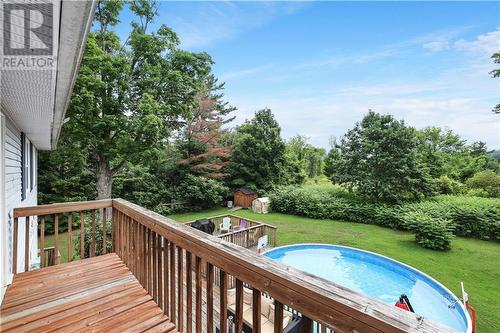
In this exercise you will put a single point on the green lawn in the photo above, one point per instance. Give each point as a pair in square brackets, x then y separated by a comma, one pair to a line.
[63, 243]
[475, 262]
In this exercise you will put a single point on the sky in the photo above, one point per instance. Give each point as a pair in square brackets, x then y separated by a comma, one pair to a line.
[320, 66]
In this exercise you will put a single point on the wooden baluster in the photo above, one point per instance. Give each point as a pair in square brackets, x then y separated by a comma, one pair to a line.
[104, 231]
[82, 236]
[165, 277]
[223, 301]
[323, 328]
[14, 246]
[239, 306]
[42, 241]
[128, 254]
[278, 317]
[70, 236]
[198, 294]
[26, 243]
[256, 322]
[159, 271]
[210, 298]
[56, 239]
[92, 245]
[172, 282]
[113, 227]
[307, 325]
[148, 261]
[180, 288]
[189, 293]
[155, 268]
[140, 255]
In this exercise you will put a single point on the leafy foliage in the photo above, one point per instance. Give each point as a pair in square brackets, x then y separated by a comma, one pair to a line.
[430, 232]
[378, 158]
[258, 158]
[446, 185]
[488, 181]
[88, 239]
[496, 73]
[470, 216]
[128, 98]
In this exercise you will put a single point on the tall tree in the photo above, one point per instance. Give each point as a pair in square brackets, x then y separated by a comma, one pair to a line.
[258, 154]
[310, 157]
[200, 141]
[378, 158]
[496, 73]
[129, 98]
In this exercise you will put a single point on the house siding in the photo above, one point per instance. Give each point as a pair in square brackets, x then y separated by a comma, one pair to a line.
[12, 192]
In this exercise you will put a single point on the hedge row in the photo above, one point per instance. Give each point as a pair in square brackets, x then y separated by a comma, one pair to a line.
[469, 216]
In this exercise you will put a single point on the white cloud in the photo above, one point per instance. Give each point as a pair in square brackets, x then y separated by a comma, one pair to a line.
[437, 45]
[485, 44]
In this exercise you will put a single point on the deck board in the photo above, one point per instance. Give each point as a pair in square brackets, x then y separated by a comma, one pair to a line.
[91, 295]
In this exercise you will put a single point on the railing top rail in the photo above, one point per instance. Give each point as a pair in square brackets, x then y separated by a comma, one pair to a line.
[319, 299]
[64, 207]
[241, 230]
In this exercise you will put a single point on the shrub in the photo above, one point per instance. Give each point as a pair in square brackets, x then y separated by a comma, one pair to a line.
[430, 232]
[87, 238]
[477, 192]
[470, 216]
[488, 181]
[446, 185]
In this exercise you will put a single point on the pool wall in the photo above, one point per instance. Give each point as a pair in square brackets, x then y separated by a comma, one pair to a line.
[455, 300]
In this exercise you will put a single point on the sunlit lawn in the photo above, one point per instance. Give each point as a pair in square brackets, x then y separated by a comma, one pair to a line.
[475, 262]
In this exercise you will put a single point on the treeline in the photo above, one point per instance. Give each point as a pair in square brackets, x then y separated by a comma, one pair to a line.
[148, 122]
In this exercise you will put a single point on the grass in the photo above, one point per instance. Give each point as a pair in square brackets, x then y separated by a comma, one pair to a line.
[472, 261]
[63, 243]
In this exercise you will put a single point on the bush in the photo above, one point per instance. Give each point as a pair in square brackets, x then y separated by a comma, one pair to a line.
[430, 232]
[446, 185]
[488, 181]
[87, 237]
[477, 192]
[202, 193]
[470, 216]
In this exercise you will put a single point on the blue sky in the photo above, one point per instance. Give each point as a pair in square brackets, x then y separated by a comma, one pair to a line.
[321, 65]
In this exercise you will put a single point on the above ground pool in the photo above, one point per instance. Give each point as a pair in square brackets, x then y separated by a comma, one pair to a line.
[379, 277]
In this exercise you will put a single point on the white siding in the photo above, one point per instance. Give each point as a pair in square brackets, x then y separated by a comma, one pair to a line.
[12, 191]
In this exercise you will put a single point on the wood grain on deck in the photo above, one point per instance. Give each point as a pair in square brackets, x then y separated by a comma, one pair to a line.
[91, 295]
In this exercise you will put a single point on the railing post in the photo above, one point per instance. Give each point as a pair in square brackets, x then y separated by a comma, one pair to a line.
[27, 243]
[14, 245]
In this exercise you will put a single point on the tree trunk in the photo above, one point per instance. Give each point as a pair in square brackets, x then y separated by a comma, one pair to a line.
[104, 178]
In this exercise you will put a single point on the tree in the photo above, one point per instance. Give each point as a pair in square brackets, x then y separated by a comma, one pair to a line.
[309, 157]
[496, 73]
[258, 154]
[446, 154]
[128, 98]
[199, 143]
[378, 158]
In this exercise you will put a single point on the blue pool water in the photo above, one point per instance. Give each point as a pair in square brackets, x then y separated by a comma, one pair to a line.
[376, 276]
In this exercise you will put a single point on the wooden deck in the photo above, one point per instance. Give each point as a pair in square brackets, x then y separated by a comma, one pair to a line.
[91, 295]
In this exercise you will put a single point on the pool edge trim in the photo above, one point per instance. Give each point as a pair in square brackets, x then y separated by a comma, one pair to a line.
[467, 315]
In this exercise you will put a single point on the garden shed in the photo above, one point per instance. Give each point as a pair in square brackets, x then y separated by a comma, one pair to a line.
[261, 205]
[244, 196]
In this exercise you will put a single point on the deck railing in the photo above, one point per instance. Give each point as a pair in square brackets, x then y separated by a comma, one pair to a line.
[169, 259]
[247, 237]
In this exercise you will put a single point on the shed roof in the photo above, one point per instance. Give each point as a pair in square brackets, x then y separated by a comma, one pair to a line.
[246, 190]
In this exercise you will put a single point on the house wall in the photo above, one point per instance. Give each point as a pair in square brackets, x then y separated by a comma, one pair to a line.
[11, 193]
